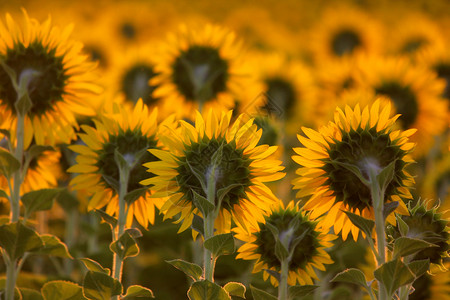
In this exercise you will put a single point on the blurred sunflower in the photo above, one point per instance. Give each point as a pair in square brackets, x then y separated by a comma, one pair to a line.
[131, 133]
[345, 31]
[201, 69]
[438, 60]
[436, 182]
[361, 139]
[432, 286]
[415, 93]
[310, 252]
[60, 88]
[243, 169]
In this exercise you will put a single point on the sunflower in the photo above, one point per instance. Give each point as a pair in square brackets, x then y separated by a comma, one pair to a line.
[243, 169]
[201, 69]
[58, 91]
[130, 133]
[310, 252]
[357, 138]
[415, 93]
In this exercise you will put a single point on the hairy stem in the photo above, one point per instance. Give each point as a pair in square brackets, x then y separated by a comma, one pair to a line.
[283, 286]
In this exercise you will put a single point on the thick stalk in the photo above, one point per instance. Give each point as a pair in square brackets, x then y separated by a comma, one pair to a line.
[209, 219]
[283, 286]
[11, 276]
[18, 154]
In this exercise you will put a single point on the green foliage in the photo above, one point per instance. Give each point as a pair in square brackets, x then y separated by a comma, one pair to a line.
[301, 290]
[16, 239]
[39, 200]
[134, 195]
[202, 203]
[8, 163]
[190, 269]
[386, 175]
[198, 225]
[404, 246]
[30, 294]
[402, 226]
[351, 275]
[388, 208]
[260, 294]
[62, 290]
[393, 275]
[137, 291]
[235, 289]
[221, 244]
[419, 267]
[107, 218]
[100, 286]
[53, 246]
[94, 266]
[206, 290]
[125, 246]
[364, 224]
[3, 194]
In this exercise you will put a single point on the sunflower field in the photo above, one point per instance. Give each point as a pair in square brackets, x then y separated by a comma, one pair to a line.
[213, 150]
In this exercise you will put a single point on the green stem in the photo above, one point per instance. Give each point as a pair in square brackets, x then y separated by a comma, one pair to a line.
[70, 237]
[283, 286]
[11, 277]
[209, 220]
[18, 154]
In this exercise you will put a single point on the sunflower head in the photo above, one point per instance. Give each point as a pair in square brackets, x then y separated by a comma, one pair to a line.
[303, 238]
[336, 163]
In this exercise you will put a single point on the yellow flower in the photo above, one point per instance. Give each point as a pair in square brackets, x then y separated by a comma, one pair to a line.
[355, 138]
[61, 87]
[131, 133]
[310, 252]
[242, 168]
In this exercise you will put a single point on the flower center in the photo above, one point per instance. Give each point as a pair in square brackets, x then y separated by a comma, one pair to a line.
[364, 149]
[413, 45]
[45, 89]
[200, 73]
[135, 84]
[404, 99]
[443, 71]
[96, 54]
[132, 145]
[280, 94]
[128, 31]
[345, 42]
[232, 171]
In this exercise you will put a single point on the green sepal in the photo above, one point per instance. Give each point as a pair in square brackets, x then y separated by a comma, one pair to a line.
[94, 266]
[121, 162]
[352, 168]
[273, 273]
[53, 246]
[207, 290]
[39, 200]
[389, 207]
[100, 286]
[419, 267]
[107, 218]
[62, 290]
[235, 289]
[351, 275]
[301, 290]
[8, 163]
[260, 294]
[221, 193]
[198, 225]
[23, 103]
[221, 244]
[132, 196]
[393, 275]
[404, 246]
[281, 252]
[202, 203]
[16, 239]
[30, 294]
[402, 226]
[190, 269]
[362, 223]
[125, 246]
[137, 291]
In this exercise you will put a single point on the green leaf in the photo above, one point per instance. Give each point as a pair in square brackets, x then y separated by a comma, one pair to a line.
[393, 275]
[94, 266]
[388, 208]
[202, 204]
[274, 274]
[134, 232]
[68, 201]
[221, 193]
[53, 246]
[8, 163]
[11, 74]
[34, 151]
[3, 194]
[404, 246]
[364, 224]
[419, 267]
[30, 294]
[190, 269]
[197, 225]
[301, 290]
[351, 275]
[99, 286]
[62, 290]
[137, 291]
[207, 290]
[39, 200]
[114, 183]
[386, 175]
[134, 195]
[107, 218]
[260, 294]
[221, 244]
[402, 226]
[17, 239]
[354, 169]
[23, 103]
[5, 132]
[125, 246]
[235, 289]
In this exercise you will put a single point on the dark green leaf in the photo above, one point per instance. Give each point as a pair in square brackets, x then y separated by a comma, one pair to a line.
[354, 169]
[404, 246]
[53, 246]
[39, 200]
[35, 150]
[393, 275]
[260, 294]
[8, 163]
[274, 274]
[99, 286]
[202, 204]
[235, 289]
[30, 294]
[419, 267]
[221, 244]
[68, 201]
[301, 290]
[62, 290]
[221, 193]
[11, 74]
[207, 290]
[388, 208]
[134, 195]
[134, 232]
[6, 133]
[17, 239]
[386, 175]
[137, 291]
[197, 224]
[402, 226]
[3, 194]
[364, 224]
[107, 218]
[114, 183]
[192, 270]
[94, 266]
[121, 162]
[351, 275]
[125, 246]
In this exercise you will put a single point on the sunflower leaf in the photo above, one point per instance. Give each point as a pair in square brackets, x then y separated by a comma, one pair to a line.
[107, 218]
[53, 246]
[30, 294]
[134, 232]
[3, 194]
[301, 290]
[351, 275]
[62, 290]
[202, 203]
[404, 246]
[386, 175]
[274, 274]
[205, 290]
[16, 239]
[113, 182]
[100, 286]
[235, 289]
[39, 200]
[190, 269]
[134, 195]
[200, 177]
[94, 266]
[125, 246]
[11, 74]
[364, 224]
[8, 163]
[402, 226]
[389, 207]
[220, 244]
[221, 193]
[354, 169]
[393, 275]
[419, 267]
[35, 150]
[260, 294]
[137, 291]
[6, 133]
[197, 224]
